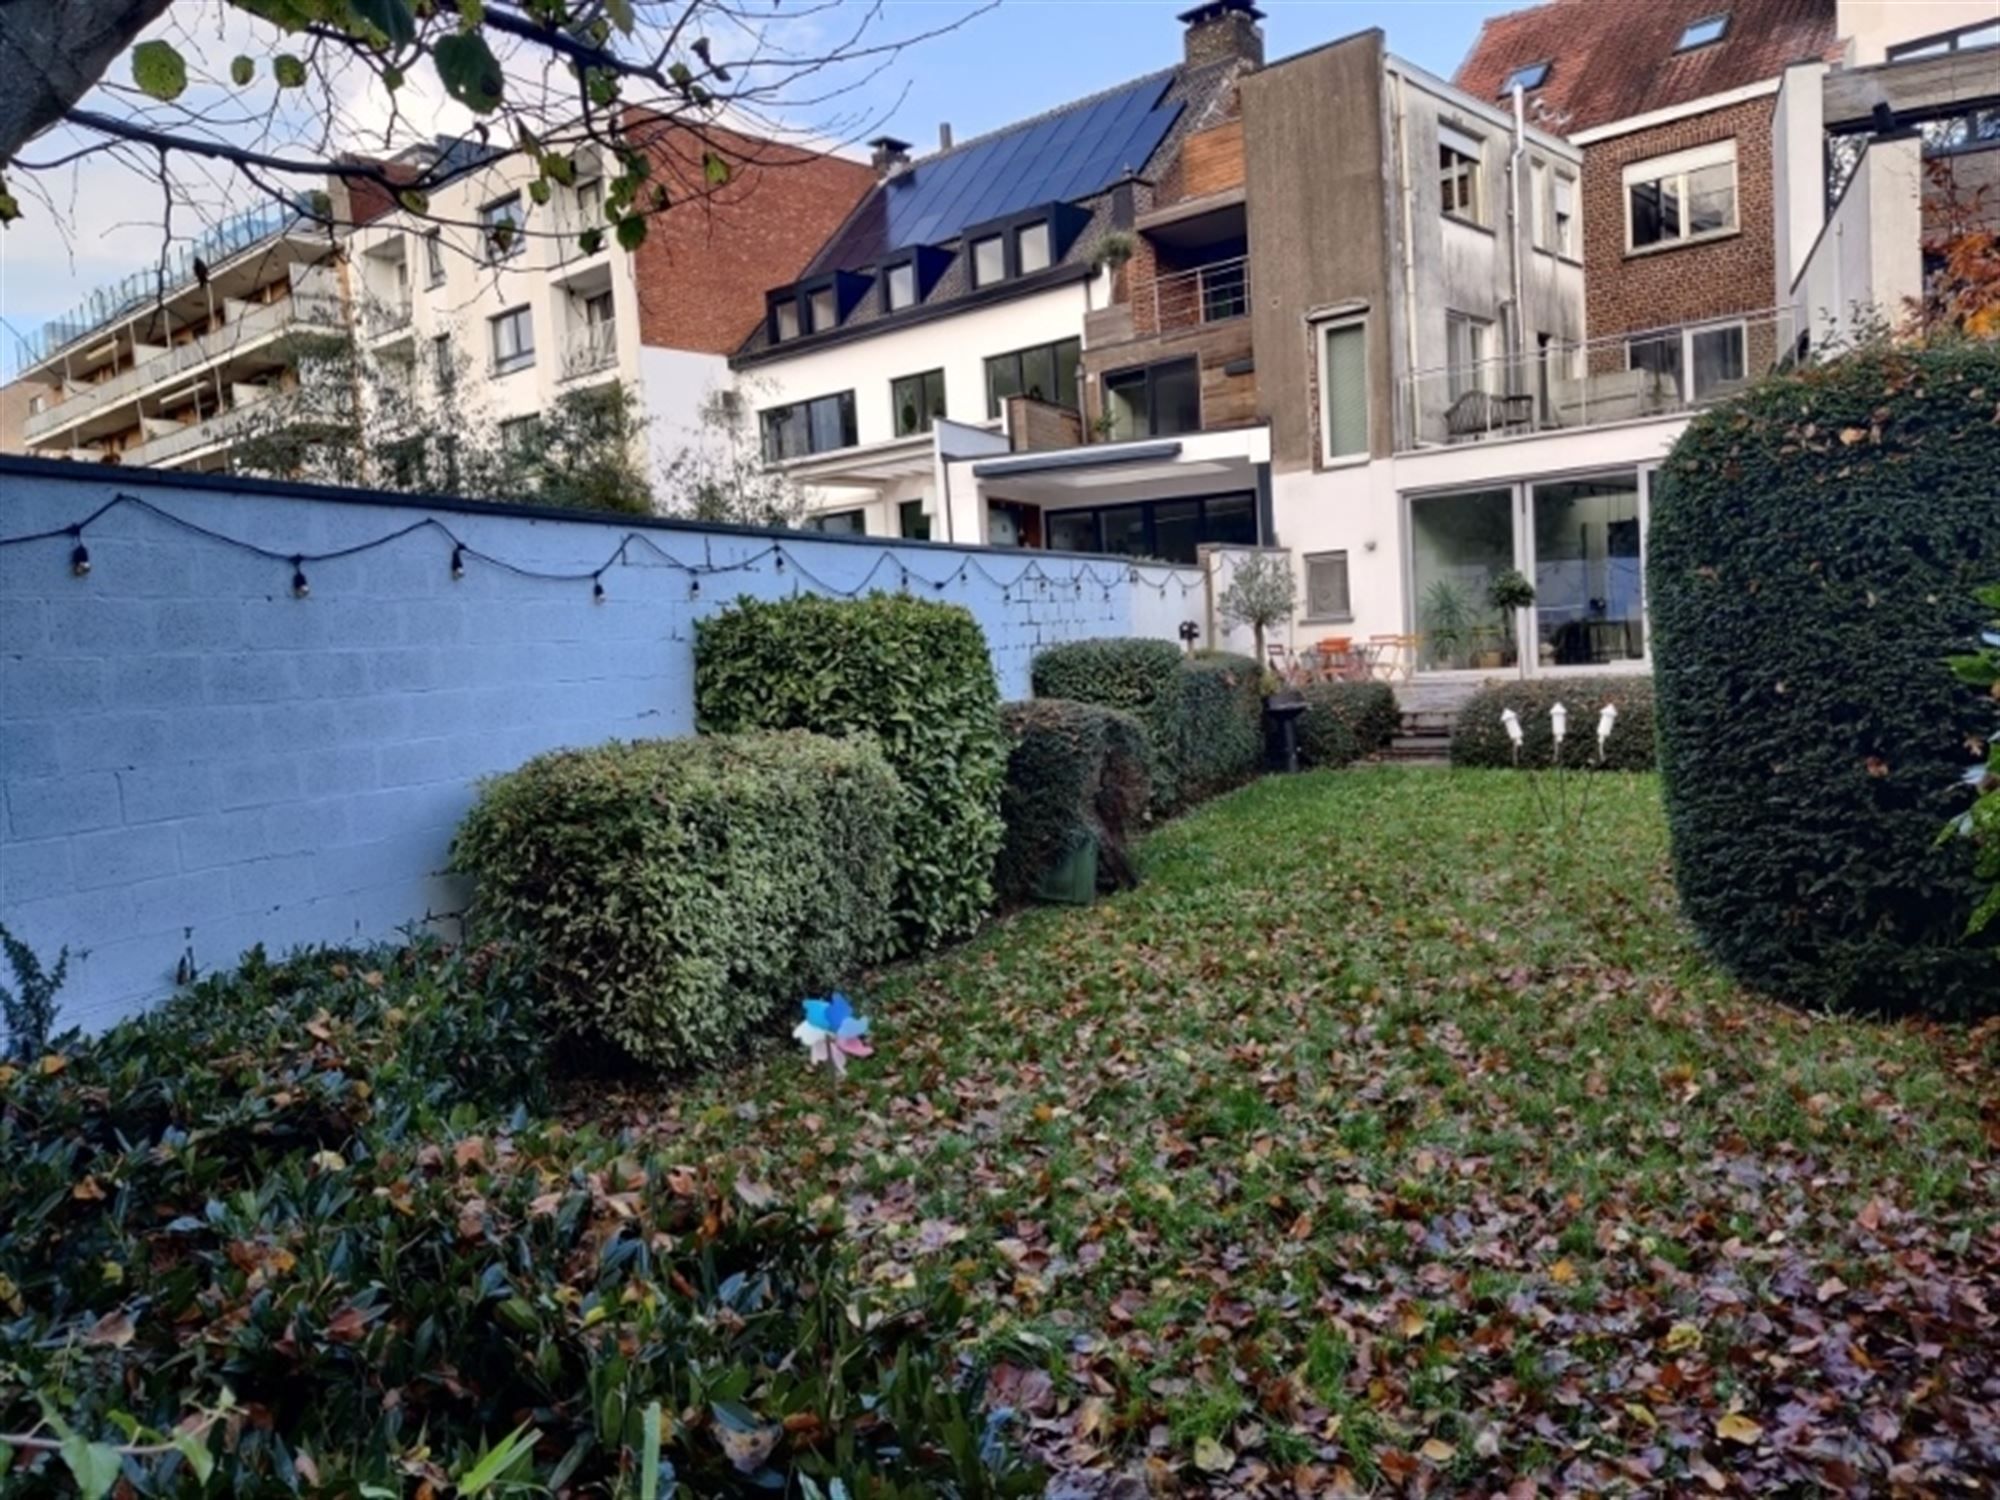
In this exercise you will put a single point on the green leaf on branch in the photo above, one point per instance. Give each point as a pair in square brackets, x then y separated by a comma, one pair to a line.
[159, 70]
[392, 79]
[414, 201]
[94, 1466]
[631, 232]
[289, 71]
[538, 190]
[469, 71]
[590, 241]
[241, 70]
[557, 168]
[319, 203]
[620, 12]
[714, 168]
[10, 206]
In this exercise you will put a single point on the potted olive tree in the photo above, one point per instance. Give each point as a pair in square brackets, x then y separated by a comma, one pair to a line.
[1509, 593]
[1264, 592]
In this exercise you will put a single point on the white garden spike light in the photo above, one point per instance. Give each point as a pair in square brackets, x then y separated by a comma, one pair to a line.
[1606, 721]
[1559, 722]
[1511, 722]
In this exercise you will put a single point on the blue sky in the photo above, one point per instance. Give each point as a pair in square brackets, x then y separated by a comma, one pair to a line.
[1015, 60]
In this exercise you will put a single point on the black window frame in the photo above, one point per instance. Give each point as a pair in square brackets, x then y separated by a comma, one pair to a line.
[434, 258]
[912, 524]
[771, 417]
[1019, 356]
[518, 217]
[1942, 43]
[1527, 85]
[1244, 501]
[928, 397]
[818, 519]
[889, 304]
[1151, 374]
[523, 357]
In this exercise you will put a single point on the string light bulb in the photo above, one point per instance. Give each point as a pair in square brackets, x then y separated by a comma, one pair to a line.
[79, 556]
[694, 588]
[300, 588]
[596, 589]
[457, 561]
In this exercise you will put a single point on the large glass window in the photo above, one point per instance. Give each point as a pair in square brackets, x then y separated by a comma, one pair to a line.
[1156, 401]
[916, 401]
[1458, 545]
[1458, 174]
[434, 257]
[805, 427]
[1589, 582]
[1468, 342]
[1169, 530]
[837, 523]
[1046, 372]
[1031, 244]
[1327, 596]
[1074, 531]
[824, 310]
[912, 522]
[1685, 197]
[1715, 356]
[785, 321]
[1983, 34]
[899, 286]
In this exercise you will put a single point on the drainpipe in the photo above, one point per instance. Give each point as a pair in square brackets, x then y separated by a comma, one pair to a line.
[1515, 160]
[1409, 260]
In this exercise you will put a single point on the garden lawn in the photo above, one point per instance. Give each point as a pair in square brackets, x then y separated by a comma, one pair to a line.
[1385, 1139]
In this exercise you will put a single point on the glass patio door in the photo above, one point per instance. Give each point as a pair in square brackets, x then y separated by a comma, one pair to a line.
[1460, 543]
[1588, 572]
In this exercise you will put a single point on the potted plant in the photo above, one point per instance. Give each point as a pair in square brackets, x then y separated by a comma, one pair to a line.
[1262, 592]
[1510, 592]
[1113, 251]
[1447, 623]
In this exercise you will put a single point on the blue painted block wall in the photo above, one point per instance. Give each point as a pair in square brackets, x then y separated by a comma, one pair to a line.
[193, 759]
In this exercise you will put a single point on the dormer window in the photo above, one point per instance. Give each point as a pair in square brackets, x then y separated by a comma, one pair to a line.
[1702, 33]
[899, 286]
[1527, 79]
[1032, 247]
[989, 261]
[825, 310]
[785, 322]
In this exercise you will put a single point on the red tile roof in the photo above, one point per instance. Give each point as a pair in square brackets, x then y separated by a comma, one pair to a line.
[1612, 59]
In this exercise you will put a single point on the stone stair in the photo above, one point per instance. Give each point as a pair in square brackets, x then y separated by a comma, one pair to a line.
[1430, 708]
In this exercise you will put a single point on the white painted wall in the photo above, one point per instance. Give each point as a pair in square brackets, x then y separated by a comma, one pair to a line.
[957, 345]
[1798, 171]
[1359, 510]
[1868, 263]
[1868, 28]
[674, 385]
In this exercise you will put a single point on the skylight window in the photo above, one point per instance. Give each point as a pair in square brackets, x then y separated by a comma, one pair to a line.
[1701, 33]
[1533, 76]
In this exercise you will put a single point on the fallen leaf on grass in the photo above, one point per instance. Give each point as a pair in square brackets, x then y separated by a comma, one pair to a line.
[1212, 1458]
[114, 1331]
[1738, 1429]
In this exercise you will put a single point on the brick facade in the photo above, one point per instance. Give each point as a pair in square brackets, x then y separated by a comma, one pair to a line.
[707, 262]
[1660, 288]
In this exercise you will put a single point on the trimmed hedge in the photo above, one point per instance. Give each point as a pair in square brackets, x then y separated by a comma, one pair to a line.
[315, 1185]
[1222, 724]
[1346, 721]
[1142, 677]
[916, 675]
[1479, 739]
[1815, 548]
[675, 893]
[1203, 715]
[1076, 772]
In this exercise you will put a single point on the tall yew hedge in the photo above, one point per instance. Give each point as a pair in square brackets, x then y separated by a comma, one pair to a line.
[917, 676]
[1814, 552]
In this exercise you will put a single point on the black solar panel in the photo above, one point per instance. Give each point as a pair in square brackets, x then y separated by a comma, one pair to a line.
[1071, 155]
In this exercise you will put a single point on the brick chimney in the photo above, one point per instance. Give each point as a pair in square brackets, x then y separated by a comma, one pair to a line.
[890, 155]
[1223, 30]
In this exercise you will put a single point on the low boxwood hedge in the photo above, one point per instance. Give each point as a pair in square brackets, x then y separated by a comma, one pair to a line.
[1479, 739]
[1816, 547]
[296, 1217]
[1203, 714]
[915, 674]
[1346, 721]
[675, 893]
[1076, 772]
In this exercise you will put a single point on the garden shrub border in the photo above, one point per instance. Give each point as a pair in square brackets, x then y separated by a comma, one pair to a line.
[1479, 740]
[1076, 772]
[1346, 721]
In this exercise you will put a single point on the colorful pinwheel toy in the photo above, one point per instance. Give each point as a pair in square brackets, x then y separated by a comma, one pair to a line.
[832, 1032]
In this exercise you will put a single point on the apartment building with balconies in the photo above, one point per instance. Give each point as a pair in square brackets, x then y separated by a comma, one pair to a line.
[167, 368]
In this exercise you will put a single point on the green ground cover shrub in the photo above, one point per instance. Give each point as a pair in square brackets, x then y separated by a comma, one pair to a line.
[1203, 714]
[1076, 773]
[674, 894]
[1346, 721]
[914, 674]
[308, 1210]
[1816, 545]
[1478, 737]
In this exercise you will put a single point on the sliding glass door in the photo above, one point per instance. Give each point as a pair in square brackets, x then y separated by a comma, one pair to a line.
[1578, 540]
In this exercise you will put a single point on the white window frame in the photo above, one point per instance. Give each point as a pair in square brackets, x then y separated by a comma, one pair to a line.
[488, 222]
[434, 257]
[524, 352]
[1563, 228]
[1338, 617]
[1687, 336]
[1680, 165]
[1322, 330]
[1479, 352]
[1541, 209]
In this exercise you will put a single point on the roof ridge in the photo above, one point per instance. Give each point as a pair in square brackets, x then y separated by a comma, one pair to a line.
[1047, 114]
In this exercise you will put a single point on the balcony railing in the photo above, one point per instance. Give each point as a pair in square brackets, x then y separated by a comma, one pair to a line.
[588, 349]
[1626, 377]
[388, 317]
[301, 310]
[1188, 299]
